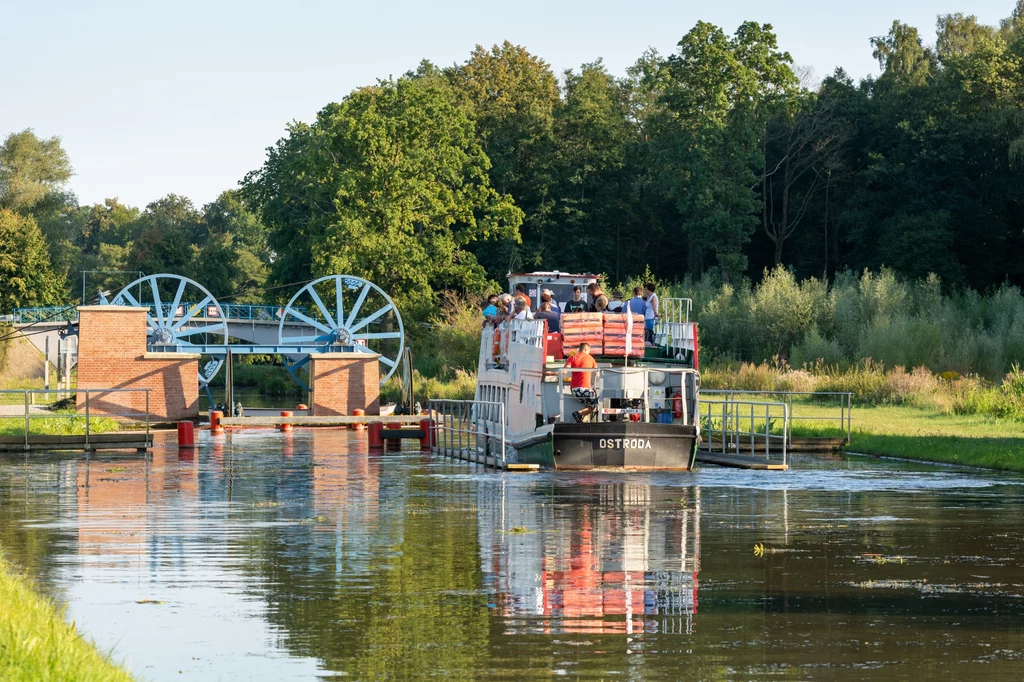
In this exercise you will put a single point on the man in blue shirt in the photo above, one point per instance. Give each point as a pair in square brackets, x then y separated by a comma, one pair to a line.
[637, 305]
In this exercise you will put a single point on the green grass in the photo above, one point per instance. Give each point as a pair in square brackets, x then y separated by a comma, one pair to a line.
[36, 643]
[925, 434]
[56, 426]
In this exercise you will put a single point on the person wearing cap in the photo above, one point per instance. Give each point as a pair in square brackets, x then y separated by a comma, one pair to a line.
[615, 306]
[577, 304]
[548, 295]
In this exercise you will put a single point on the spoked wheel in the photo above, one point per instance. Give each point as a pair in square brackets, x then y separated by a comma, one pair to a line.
[343, 310]
[178, 311]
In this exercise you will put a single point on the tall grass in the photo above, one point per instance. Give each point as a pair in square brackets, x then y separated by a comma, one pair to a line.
[871, 383]
[874, 315]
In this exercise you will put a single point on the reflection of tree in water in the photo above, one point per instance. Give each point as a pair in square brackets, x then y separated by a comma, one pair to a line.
[379, 577]
[28, 506]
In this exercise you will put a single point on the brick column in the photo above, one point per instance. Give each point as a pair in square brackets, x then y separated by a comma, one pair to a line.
[342, 382]
[112, 354]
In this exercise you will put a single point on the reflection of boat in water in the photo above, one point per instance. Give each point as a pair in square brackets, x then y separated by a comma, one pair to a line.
[611, 566]
[643, 410]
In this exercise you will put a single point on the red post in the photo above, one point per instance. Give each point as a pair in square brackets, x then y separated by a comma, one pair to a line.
[358, 413]
[215, 426]
[427, 427]
[284, 426]
[395, 443]
[186, 435]
[373, 435]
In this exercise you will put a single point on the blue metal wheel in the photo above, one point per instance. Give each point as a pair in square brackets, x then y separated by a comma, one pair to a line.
[343, 311]
[178, 311]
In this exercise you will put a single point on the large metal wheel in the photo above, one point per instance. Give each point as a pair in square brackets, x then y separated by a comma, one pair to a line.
[344, 310]
[179, 311]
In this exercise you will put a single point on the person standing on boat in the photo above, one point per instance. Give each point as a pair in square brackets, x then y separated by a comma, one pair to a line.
[577, 304]
[637, 305]
[580, 385]
[548, 295]
[521, 291]
[547, 312]
[615, 306]
[598, 301]
[651, 313]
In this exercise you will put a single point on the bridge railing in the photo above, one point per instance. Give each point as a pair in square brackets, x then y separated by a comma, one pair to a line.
[232, 311]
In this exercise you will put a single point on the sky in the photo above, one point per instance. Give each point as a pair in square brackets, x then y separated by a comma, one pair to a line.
[183, 97]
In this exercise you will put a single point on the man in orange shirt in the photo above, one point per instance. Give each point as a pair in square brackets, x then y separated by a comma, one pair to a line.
[580, 382]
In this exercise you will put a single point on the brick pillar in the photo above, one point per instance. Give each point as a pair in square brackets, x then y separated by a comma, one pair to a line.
[112, 354]
[342, 382]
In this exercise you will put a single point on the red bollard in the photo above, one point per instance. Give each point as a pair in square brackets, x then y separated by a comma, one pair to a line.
[186, 435]
[284, 426]
[373, 435]
[215, 426]
[427, 427]
[358, 413]
[394, 443]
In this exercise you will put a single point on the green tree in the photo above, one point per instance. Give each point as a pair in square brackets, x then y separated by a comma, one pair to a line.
[31, 170]
[512, 96]
[720, 94]
[234, 260]
[169, 234]
[26, 277]
[904, 60]
[390, 184]
[593, 183]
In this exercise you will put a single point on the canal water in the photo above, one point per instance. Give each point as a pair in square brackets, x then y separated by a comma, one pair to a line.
[305, 556]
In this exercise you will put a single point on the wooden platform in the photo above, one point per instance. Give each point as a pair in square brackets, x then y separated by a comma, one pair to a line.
[800, 444]
[740, 461]
[320, 421]
[119, 440]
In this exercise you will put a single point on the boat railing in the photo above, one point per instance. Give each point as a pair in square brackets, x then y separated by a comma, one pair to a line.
[841, 401]
[473, 430]
[598, 383]
[528, 332]
[672, 328]
[745, 427]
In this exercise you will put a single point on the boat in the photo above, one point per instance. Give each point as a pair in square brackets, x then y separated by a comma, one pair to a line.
[647, 411]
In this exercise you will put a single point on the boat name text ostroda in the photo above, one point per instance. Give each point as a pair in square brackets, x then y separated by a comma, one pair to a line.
[631, 443]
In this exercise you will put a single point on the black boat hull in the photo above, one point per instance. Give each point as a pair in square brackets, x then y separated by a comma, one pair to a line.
[624, 445]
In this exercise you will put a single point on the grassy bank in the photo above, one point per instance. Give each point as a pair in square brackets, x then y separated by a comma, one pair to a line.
[924, 433]
[36, 643]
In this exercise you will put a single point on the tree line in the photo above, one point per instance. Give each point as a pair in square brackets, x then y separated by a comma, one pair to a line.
[717, 161]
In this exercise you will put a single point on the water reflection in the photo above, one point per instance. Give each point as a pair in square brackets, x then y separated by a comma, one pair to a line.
[304, 555]
[605, 564]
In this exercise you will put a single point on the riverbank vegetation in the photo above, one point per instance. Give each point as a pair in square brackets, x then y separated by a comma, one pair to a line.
[835, 234]
[36, 643]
